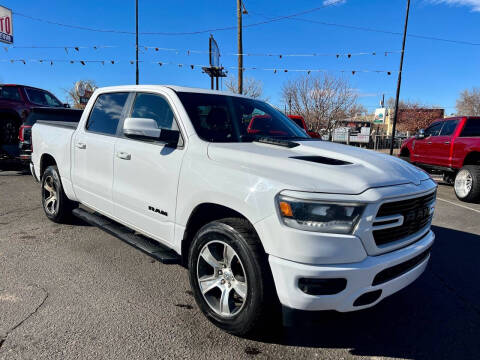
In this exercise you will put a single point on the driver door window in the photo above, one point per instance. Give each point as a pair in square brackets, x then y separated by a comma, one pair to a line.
[434, 129]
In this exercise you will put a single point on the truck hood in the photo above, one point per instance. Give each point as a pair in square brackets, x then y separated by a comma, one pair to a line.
[317, 166]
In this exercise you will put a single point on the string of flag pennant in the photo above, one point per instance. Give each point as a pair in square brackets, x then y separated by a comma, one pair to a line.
[189, 52]
[275, 70]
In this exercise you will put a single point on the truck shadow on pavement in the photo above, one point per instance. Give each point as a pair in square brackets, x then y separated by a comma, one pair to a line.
[438, 316]
[10, 168]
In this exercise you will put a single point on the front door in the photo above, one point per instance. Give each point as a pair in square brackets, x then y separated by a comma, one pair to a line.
[423, 146]
[442, 144]
[93, 151]
[147, 173]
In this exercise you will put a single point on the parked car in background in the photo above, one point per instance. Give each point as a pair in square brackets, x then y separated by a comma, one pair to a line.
[300, 121]
[42, 113]
[259, 213]
[451, 146]
[16, 101]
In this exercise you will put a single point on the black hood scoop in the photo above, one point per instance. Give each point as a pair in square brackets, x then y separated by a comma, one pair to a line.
[321, 160]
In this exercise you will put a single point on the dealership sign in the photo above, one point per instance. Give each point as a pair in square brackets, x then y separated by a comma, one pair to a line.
[6, 25]
[380, 116]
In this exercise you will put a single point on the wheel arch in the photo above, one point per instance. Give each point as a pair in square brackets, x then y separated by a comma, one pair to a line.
[46, 160]
[201, 215]
[472, 158]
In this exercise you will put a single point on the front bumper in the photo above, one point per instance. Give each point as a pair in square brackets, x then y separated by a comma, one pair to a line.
[359, 278]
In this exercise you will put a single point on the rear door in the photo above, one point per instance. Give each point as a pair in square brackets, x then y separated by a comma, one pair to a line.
[468, 139]
[93, 151]
[423, 146]
[147, 172]
[443, 144]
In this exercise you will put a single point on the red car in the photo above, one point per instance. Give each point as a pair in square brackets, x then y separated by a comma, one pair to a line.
[16, 101]
[451, 146]
[300, 121]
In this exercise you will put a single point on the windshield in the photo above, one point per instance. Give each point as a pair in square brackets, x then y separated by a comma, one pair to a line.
[42, 97]
[222, 118]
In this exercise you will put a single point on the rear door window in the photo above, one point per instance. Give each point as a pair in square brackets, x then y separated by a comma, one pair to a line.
[10, 93]
[449, 127]
[471, 128]
[106, 113]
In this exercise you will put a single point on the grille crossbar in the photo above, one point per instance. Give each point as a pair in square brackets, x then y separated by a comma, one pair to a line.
[416, 214]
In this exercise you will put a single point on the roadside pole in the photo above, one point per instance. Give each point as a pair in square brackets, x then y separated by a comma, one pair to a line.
[240, 47]
[136, 43]
[399, 82]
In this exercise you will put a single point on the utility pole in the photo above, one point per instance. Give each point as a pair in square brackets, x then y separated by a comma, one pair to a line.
[136, 42]
[240, 10]
[399, 82]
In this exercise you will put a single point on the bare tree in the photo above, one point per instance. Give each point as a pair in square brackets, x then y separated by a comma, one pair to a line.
[251, 87]
[356, 109]
[321, 100]
[73, 97]
[469, 102]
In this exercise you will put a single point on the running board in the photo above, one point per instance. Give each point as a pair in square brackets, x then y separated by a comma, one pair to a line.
[138, 241]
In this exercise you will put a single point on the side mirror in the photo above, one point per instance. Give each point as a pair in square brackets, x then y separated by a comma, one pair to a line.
[141, 128]
[147, 129]
[66, 105]
[421, 134]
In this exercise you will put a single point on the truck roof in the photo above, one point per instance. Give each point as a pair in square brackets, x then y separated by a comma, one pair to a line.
[171, 87]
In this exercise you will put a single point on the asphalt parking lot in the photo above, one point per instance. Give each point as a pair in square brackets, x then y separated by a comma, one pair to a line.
[75, 292]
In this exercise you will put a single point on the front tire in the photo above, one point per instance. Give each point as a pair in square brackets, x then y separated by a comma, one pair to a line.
[467, 183]
[56, 205]
[230, 277]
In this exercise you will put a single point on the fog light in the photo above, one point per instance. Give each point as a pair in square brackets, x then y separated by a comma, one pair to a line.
[313, 286]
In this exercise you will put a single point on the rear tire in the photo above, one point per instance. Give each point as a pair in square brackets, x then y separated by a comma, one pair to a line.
[56, 205]
[238, 273]
[467, 183]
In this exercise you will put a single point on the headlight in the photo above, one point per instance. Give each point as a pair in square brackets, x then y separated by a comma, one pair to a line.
[338, 218]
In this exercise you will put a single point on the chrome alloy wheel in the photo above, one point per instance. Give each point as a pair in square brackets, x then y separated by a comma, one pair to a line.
[50, 195]
[463, 183]
[222, 278]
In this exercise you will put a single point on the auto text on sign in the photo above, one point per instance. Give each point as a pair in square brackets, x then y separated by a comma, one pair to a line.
[6, 25]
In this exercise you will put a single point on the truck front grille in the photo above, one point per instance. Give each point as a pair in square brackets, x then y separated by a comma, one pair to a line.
[417, 214]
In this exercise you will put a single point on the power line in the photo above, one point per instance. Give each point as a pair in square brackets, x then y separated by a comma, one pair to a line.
[279, 18]
[268, 20]
[361, 28]
[368, 29]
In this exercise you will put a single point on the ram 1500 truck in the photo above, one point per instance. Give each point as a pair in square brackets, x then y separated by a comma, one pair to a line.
[451, 146]
[258, 218]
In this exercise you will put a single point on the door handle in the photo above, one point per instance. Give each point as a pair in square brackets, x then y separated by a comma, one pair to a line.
[447, 142]
[81, 145]
[124, 155]
[429, 142]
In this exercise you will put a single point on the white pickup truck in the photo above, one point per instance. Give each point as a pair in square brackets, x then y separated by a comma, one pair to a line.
[259, 212]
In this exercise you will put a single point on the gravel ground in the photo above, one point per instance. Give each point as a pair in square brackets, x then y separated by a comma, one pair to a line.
[73, 291]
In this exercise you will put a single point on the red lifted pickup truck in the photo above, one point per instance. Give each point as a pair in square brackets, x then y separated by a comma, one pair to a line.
[451, 146]
[300, 121]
